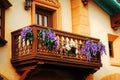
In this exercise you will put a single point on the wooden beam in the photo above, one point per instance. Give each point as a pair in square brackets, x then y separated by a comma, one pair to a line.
[115, 22]
[5, 3]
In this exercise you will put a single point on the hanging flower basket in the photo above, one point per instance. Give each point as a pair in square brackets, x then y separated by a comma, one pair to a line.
[91, 48]
[27, 34]
[48, 38]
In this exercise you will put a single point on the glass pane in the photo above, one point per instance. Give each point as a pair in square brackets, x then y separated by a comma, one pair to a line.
[0, 32]
[0, 12]
[36, 19]
[0, 21]
[40, 20]
[45, 21]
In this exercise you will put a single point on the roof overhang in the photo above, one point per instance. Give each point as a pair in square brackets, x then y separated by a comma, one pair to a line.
[112, 7]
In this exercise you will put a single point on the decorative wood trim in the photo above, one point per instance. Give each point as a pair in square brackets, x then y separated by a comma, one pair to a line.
[5, 3]
[28, 62]
[112, 37]
[115, 22]
[2, 42]
[3, 77]
[26, 71]
[49, 5]
[53, 3]
[85, 2]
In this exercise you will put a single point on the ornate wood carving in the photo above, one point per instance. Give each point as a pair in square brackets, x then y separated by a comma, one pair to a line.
[54, 3]
[2, 42]
[26, 54]
[115, 22]
[5, 3]
[85, 2]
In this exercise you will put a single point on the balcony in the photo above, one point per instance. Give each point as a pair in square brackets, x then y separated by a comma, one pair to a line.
[29, 53]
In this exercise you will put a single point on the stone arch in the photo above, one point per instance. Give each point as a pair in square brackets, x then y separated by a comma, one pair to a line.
[115, 76]
[2, 77]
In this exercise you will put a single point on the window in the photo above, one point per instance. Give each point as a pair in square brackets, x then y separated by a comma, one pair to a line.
[111, 49]
[4, 4]
[1, 21]
[111, 42]
[46, 13]
[44, 17]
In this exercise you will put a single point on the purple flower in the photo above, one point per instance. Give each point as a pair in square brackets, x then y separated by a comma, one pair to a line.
[26, 33]
[88, 56]
[55, 46]
[49, 38]
[82, 51]
[91, 48]
[23, 33]
[29, 28]
[94, 48]
[101, 48]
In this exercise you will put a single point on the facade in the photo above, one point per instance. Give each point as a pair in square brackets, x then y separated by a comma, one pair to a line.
[71, 16]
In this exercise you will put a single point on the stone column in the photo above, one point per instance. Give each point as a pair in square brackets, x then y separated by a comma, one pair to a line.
[80, 18]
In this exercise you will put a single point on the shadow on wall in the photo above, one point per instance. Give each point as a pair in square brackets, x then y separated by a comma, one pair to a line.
[115, 76]
[3, 77]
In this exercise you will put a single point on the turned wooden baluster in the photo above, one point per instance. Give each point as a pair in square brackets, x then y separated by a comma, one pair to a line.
[79, 47]
[73, 48]
[39, 46]
[60, 45]
[25, 47]
[29, 46]
[17, 45]
[67, 46]
[64, 46]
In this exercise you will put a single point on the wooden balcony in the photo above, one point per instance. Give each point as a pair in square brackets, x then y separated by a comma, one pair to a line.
[25, 53]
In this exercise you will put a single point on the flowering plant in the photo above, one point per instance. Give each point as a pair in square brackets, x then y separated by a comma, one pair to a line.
[27, 34]
[48, 38]
[92, 49]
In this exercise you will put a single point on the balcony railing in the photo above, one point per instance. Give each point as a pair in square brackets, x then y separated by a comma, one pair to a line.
[23, 51]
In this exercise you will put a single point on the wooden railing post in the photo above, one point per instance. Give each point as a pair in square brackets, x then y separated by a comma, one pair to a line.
[35, 41]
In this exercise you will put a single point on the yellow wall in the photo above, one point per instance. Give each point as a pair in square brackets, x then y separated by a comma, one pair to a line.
[66, 15]
[100, 27]
[16, 17]
[80, 18]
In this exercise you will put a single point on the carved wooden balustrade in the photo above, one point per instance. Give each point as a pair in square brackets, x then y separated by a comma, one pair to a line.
[25, 51]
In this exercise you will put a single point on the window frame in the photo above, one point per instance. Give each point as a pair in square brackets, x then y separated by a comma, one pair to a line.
[111, 39]
[2, 22]
[111, 51]
[45, 13]
[55, 6]
[4, 4]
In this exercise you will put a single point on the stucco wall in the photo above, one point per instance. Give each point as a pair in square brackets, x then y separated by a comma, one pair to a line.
[16, 17]
[66, 15]
[100, 27]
